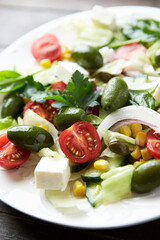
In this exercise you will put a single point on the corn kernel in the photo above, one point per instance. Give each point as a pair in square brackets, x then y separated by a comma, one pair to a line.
[45, 63]
[42, 126]
[125, 130]
[135, 128]
[141, 138]
[101, 164]
[137, 163]
[78, 189]
[136, 154]
[66, 53]
[145, 154]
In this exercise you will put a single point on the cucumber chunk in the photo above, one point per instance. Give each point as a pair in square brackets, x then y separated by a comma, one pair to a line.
[117, 161]
[92, 175]
[116, 184]
[94, 193]
[78, 167]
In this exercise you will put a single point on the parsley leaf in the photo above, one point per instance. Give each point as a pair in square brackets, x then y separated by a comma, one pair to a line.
[79, 93]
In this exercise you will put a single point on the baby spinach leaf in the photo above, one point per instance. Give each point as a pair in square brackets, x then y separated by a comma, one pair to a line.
[147, 30]
[141, 98]
[6, 74]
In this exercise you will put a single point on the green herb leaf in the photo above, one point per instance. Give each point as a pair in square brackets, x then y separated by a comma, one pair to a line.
[79, 93]
[7, 122]
[147, 30]
[141, 98]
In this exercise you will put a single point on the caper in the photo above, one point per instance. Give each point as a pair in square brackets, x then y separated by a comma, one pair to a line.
[115, 94]
[118, 146]
[32, 138]
[12, 105]
[66, 117]
[87, 56]
[146, 176]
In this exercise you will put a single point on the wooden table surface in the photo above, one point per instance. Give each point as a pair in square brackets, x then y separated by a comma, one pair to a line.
[17, 17]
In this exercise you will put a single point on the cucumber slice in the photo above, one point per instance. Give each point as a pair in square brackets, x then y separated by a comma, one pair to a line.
[92, 175]
[78, 167]
[117, 161]
[94, 193]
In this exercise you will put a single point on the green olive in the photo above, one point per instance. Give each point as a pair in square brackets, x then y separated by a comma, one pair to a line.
[32, 138]
[157, 57]
[66, 117]
[87, 57]
[146, 176]
[118, 146]
[12, 105]
[115, 94]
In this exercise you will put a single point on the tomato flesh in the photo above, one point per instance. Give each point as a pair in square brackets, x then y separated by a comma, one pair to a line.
[11, 156]
[153, 143]
[81, 142]
[127, 51]
[46, 47]
[59, 86]
[45, 110]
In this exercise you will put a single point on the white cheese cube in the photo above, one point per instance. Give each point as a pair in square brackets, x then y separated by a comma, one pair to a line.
[103, 17]
[107, 54]
[52, 173]
[64, 70]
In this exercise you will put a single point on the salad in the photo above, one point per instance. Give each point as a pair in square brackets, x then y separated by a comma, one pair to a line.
[90, 111]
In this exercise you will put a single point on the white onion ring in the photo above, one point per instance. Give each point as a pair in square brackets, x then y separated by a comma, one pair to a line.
[128, 115]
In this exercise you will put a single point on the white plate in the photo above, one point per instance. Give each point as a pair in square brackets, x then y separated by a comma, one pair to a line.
[17, 187]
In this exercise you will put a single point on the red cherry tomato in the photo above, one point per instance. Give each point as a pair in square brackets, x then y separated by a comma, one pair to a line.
[127, 51]
[11, 156]
[59, 86]
[153, 143]
[46, 47]
[80, 143]
[45, 110]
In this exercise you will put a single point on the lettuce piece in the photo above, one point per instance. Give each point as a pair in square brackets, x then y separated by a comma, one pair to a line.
[116, 184]
[153, 54]
[108, 135]
[7, 122]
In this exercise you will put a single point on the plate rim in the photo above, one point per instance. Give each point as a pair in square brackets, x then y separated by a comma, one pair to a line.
[12, 46]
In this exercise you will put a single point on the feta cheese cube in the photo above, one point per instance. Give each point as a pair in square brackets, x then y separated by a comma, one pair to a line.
[64, 70]
[103, 17]
[52, 173]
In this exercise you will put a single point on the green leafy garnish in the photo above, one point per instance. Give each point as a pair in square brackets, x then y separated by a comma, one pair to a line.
[146, 30]
[141, 98]
[79, 93]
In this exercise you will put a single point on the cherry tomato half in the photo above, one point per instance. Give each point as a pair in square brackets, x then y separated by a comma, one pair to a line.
[81, 142]
[153, 143]
[127, 51]
[11, 156]
[44, 110]
[59, 86]
[46, 47]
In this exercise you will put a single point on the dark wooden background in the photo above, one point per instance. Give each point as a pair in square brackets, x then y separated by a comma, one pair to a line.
[17, 17]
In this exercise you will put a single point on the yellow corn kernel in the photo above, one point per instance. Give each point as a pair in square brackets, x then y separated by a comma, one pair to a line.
[135, 128]
[66, 53]
[45, 63]
[101, 165]
[78, 189]
[137, 163]
[42, 126]
[126, 130]
[141, 138]
[136, 154]
[145, 154]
